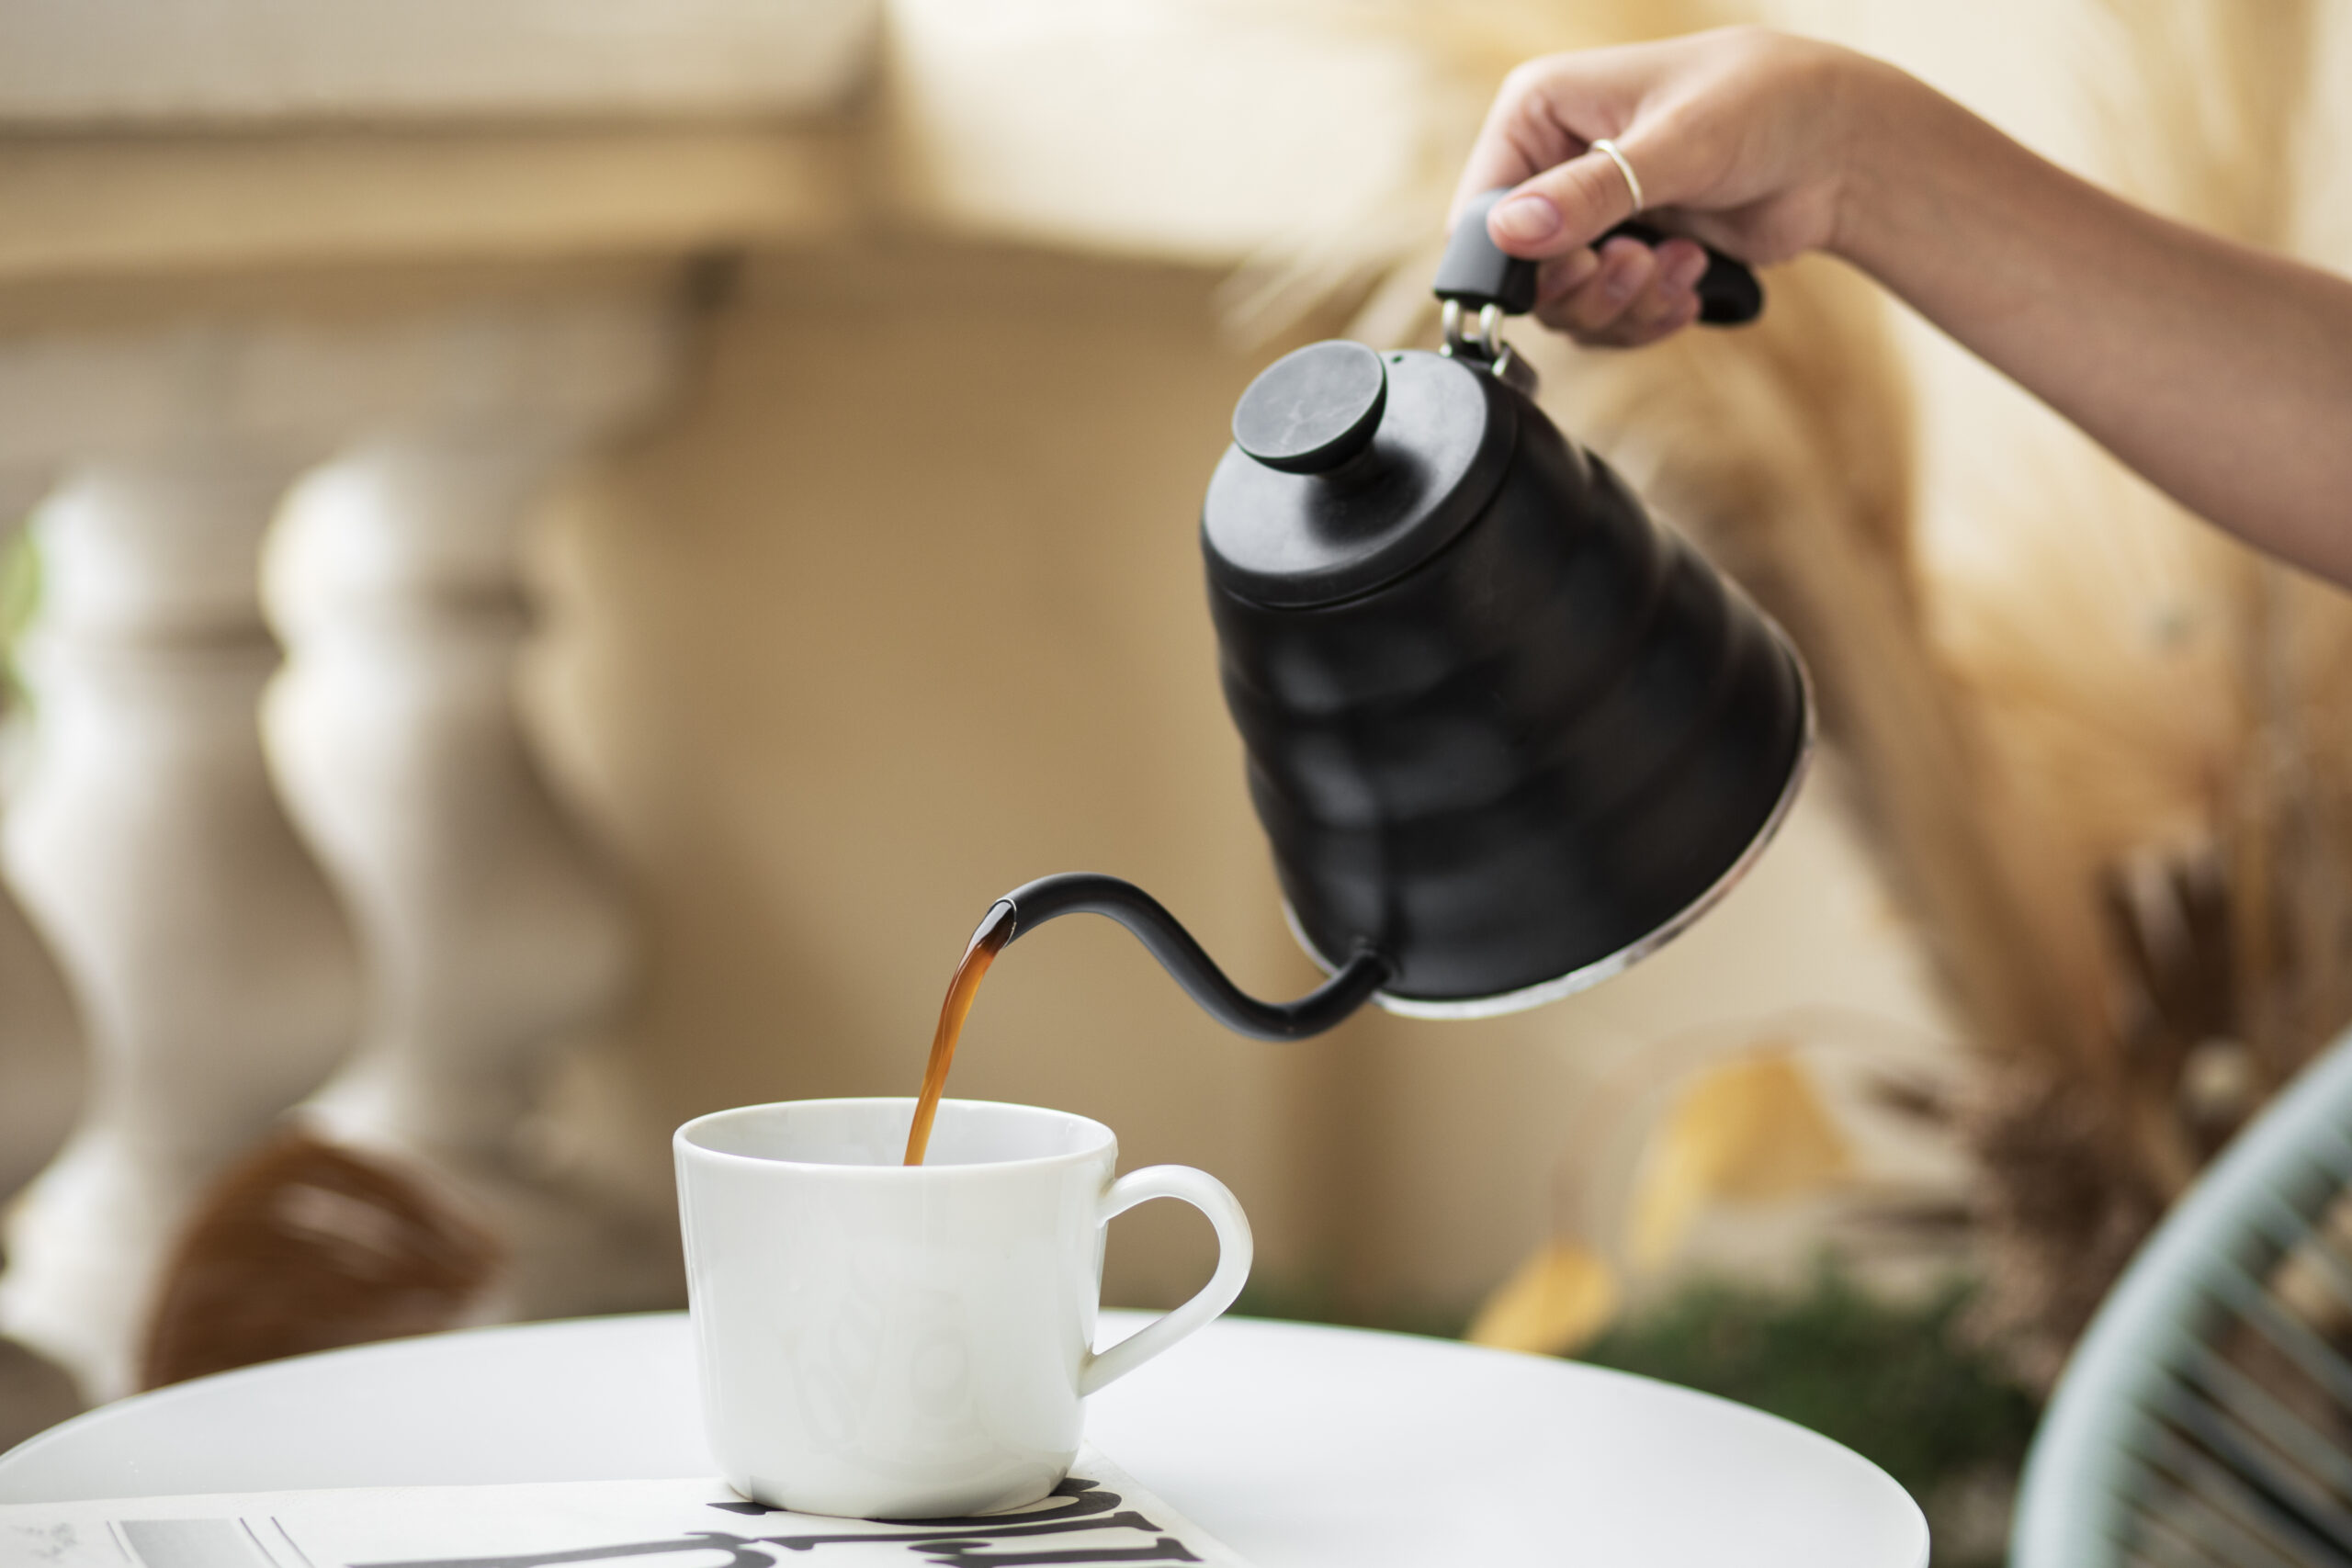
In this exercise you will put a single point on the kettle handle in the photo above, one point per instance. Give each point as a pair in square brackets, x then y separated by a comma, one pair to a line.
[1476, 273]
[1086, 892]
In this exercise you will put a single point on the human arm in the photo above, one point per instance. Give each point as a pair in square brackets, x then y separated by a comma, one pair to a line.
[2221, 373]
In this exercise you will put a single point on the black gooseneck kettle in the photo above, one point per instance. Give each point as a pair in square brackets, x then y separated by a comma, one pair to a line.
[1506, 734]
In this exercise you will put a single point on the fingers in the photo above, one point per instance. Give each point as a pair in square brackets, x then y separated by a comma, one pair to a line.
[1549, 110]
[1562, 208]
[1523, 134]
[1624, 296]
[1537, 140]
[1564, 276]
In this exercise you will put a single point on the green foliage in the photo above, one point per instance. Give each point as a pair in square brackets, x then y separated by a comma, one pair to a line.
[1896, 1383]
[19, 598]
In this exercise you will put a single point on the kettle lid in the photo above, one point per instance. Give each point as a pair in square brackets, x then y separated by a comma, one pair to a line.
[1349, 469]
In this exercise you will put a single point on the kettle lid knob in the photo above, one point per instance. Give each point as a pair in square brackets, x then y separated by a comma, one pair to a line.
[1312, 409]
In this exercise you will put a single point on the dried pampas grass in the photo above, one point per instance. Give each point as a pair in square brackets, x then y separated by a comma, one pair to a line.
[2171, 706]
[1786, 451]
[2104, 762]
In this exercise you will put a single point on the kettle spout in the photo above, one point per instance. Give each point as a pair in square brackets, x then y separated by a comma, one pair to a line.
[1050, 898]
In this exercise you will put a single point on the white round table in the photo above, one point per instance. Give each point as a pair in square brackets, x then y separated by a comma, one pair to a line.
[1297, 1446]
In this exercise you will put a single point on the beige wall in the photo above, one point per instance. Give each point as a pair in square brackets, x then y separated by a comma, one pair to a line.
[899, 613]
[903, 609]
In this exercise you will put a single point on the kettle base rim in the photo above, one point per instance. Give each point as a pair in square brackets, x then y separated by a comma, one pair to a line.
[1585, 976]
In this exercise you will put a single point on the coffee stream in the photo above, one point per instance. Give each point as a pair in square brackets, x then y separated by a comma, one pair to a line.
[994, 931]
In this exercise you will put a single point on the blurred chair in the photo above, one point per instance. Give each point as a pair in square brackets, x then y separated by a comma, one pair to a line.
[2206, 1417]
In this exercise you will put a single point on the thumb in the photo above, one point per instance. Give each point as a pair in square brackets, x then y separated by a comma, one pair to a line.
[1565, 208]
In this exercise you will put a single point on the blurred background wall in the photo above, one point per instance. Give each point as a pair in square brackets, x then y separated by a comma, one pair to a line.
[921, 562]
[890, 600]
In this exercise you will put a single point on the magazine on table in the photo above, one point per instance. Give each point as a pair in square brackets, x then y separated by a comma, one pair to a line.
[1098, 1515]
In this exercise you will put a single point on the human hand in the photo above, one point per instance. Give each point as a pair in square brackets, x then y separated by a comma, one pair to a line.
[1739, 139]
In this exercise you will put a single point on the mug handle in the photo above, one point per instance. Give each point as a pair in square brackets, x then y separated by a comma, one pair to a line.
[1234, 1251]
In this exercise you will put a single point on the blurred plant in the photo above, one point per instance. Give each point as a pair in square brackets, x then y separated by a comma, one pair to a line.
[1900, 1384]
[2104, 764]
[2166, 710]
[19, 601]
[1563, 1298]
[1752, 1129]
[1715, 1118]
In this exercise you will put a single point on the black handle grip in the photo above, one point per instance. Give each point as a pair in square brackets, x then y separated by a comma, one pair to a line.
[1081, 892]
[1478, 273]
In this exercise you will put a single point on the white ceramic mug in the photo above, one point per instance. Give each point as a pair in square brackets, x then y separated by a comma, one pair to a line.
[892, 1341]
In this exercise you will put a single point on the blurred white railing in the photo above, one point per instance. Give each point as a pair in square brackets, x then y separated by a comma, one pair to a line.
[337, 877]
[455, 927]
